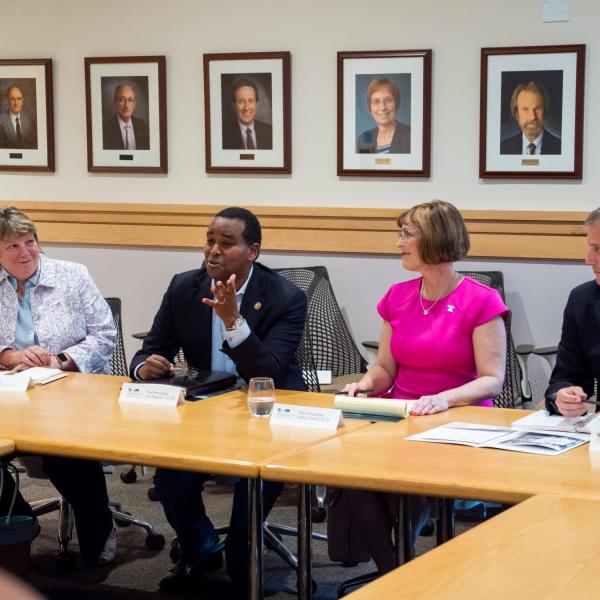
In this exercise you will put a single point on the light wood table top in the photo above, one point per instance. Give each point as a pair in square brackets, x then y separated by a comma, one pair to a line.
[546, 547]
[6, 446]
[380, 458]
[80, 416]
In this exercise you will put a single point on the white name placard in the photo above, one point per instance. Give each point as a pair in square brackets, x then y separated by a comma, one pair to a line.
[14, 382]
[594, 436]
[309, 417]
[151, 393]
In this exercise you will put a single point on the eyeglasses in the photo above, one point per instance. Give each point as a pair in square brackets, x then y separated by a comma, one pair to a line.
[125, 99]
[406, 234]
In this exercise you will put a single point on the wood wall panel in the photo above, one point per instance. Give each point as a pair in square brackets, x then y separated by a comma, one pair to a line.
[500, 234]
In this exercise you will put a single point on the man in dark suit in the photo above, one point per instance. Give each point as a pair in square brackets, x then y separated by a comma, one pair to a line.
[123, 131]
[578, 358]
[236, 315]
[529, 106]
[245, 132]
[17, 128]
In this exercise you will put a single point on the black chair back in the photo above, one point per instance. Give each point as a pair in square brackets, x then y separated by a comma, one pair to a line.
[118, 362]
[327, 343]
[510, 395]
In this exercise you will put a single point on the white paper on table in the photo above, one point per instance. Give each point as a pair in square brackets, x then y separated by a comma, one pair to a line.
[151, 393]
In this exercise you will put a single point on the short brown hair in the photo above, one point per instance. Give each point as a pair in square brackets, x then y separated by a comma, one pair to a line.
[444, 235]
[381, 82]
[592, 218]
[15, 223]
[535, 87]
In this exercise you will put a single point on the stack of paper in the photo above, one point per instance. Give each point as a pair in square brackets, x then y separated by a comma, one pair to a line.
[42, 375]
[542, 421]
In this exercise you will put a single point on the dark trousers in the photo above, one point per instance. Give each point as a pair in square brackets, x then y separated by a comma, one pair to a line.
[180, 493]
[373, 514]
[83, 485]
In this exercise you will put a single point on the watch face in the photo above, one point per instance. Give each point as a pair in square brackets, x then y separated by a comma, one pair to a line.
[62, 357]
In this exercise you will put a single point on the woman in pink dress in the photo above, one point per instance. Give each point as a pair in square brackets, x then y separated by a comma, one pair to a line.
[443, 344]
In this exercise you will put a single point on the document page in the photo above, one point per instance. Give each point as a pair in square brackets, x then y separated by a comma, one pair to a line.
[470, 434]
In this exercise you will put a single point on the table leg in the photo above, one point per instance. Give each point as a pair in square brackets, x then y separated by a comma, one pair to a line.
[304, 543]
[403, 537]
[255, 521]
[445, 530]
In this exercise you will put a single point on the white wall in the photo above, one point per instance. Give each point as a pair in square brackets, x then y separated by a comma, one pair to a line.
[313, 30]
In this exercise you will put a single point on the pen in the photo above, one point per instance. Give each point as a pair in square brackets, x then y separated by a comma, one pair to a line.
[356, 392]
[594, 402]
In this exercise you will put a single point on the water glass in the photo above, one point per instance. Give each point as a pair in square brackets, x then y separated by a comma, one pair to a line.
[261, 397]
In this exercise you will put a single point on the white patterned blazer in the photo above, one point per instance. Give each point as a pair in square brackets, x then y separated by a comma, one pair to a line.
[69, 314]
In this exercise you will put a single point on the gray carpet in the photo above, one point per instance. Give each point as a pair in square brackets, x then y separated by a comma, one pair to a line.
[136, 572]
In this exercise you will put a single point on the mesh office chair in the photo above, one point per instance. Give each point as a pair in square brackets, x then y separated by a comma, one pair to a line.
[33, 465]
[327, 334]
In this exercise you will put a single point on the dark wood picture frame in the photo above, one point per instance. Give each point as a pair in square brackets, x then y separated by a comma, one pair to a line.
[105, 153]
[561, 84]
[269, 73]
[38, 155]
[410, 149]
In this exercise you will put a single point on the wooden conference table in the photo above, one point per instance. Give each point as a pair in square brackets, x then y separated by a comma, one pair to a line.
[6, 447]
[380, 458]
[546, 547]
[80, 416]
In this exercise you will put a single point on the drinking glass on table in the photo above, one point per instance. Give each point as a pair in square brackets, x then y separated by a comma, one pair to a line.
[261, 396]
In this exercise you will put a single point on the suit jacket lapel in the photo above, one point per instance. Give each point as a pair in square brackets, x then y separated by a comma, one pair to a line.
[254, 298]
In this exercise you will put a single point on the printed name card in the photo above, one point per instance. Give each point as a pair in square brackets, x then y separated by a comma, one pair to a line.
[309, 417]
[14, 382]
[594, 436]
[151, 393]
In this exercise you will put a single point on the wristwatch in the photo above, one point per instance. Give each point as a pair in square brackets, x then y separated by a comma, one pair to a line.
[63, 359]
[239, 322]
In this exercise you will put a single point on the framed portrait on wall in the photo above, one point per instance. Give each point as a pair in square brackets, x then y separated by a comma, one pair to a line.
[384, 113]
[531, 112]
[247, 112]
[126, 113]
[26, 115]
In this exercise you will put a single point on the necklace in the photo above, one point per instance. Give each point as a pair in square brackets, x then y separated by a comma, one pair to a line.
[426, 311]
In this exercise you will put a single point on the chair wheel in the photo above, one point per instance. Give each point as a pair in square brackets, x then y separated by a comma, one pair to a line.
[318, 515]
[65, 561]
[155, 541]
[128, 476]
[121, 522]
[153, 494]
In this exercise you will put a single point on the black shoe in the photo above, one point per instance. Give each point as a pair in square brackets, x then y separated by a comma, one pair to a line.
[189, 578]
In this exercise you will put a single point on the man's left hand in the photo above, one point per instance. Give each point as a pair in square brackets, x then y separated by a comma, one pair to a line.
[224, 302]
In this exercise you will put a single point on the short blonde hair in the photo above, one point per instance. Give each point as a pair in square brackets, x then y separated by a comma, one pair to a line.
[15, 223]
[444, 235]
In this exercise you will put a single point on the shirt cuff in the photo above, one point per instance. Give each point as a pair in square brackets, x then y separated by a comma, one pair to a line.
[235, 337]
[135, 371]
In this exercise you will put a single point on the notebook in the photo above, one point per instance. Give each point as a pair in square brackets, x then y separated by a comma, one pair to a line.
[205, 382]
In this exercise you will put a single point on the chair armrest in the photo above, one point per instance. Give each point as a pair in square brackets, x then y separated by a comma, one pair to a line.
[524, 349]
[546, 351]
[371, 345]
[140, 335]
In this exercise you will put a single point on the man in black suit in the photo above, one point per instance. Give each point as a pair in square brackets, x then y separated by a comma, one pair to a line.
[578, 358]
[236, 315]
[529, 106]
[245, 132]
[123, 131]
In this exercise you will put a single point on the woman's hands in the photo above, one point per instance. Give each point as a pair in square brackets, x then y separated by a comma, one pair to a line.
[429, 405]
[32, 356]
[353, 388]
